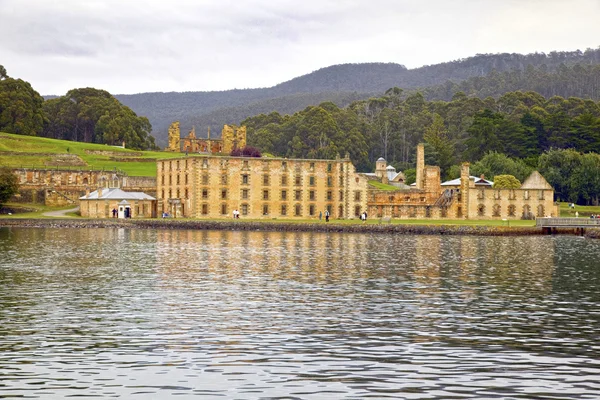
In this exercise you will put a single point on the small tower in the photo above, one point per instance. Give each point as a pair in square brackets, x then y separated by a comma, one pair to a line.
[380, 165]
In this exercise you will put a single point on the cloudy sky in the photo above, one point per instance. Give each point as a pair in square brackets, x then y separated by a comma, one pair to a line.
[131, 46]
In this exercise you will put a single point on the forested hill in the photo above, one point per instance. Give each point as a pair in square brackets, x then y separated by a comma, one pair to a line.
[342, 84]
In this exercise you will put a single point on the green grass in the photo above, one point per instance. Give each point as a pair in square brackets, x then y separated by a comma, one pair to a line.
[584, 211]
[39, 210]
[31, 151]
[376, 221]
[382, 186]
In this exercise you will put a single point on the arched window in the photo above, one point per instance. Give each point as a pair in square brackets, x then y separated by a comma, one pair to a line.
[512, 210]
[481, 210]
[496, 210]
[540, 211]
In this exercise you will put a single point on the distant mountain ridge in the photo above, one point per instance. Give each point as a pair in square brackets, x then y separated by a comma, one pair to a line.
[340, 84]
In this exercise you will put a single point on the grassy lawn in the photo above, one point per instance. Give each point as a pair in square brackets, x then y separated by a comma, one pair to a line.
[382, 186]
[29, 151]
[376, 221]
[584, 211]
[39, 210]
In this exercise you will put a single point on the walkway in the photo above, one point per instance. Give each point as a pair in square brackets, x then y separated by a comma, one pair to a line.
[567, 222]
[60, 213]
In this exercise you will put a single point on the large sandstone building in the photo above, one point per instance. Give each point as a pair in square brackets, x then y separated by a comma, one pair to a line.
[206, 186]
[199, 186]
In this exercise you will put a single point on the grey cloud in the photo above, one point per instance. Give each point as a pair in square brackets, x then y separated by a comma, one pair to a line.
[134, 46]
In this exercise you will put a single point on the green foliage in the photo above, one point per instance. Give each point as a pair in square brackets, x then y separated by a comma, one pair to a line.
[494, 164]
[9, 184]
[506, 182]
[20, 106]
[410, 176]
[574, 176]
[94, 116]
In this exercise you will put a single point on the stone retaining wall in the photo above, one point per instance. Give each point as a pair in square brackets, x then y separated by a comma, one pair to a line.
[283, 227]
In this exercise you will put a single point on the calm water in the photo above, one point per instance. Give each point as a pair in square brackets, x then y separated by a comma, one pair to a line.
[242, 315]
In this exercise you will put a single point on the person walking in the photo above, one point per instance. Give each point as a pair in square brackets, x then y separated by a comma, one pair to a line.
[326, 215]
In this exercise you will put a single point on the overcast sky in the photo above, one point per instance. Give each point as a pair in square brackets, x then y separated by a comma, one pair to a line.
[130, 46]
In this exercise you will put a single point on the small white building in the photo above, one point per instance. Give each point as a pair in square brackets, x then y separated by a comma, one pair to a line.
[117, 203]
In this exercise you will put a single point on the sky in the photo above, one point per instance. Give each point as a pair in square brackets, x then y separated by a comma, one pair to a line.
[131, 46]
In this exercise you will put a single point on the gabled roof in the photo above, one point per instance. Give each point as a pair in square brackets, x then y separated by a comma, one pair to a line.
[536, 181]
[477, 180]
[117, 194]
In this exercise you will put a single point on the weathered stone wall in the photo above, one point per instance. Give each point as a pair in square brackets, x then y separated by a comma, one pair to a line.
[174, 138]
[146, 184]
[233, 137]
[60, 187]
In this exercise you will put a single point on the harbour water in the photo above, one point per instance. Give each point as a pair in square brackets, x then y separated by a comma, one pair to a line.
[111, 313]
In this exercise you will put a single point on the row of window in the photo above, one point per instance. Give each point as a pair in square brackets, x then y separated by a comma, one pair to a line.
[266, 194]
[512, 195]
[512, 211]
[296, 210]
[246, 180]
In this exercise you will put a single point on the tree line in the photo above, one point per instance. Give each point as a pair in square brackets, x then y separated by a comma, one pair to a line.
[523, 127]
[82, 115]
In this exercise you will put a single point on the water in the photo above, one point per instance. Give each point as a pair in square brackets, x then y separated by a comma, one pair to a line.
[243, 315]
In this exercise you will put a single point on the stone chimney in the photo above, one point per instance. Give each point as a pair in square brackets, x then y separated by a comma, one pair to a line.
[464, 189]
[100, 192]
[420, 165]
[87, 192]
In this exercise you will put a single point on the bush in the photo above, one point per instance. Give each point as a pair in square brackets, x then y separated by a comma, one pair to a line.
[247, 151]
[506, 182]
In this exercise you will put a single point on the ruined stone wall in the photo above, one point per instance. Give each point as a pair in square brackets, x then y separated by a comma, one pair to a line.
[146, 184]
[233, 137]
[212, 187]
[174, 138]
[60, 187]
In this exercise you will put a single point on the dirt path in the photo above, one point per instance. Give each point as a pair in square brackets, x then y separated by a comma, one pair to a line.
[61, 213]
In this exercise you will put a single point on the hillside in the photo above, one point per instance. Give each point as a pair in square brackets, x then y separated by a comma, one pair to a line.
[340, 84]
[19, 151]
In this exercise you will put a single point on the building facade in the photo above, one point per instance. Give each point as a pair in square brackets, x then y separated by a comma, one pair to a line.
[199, 186]
[116, 203]
[463, 198]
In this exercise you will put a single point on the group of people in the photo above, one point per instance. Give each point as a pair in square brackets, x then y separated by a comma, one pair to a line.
[363, 216]
[236, 214]
[594, 216]
[326, 215]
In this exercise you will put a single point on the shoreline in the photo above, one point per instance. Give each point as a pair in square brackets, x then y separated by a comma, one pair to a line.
[401, 229]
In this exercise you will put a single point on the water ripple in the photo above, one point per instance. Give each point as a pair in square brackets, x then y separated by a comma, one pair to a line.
[117, 313]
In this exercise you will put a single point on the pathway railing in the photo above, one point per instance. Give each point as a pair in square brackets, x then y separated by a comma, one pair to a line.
[567, 222]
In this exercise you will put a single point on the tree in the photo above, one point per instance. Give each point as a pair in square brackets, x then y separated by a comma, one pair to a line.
[9, 184]
[20, 106]
[506, 182]
[95, 116]
[493, 164]
[436, 136]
